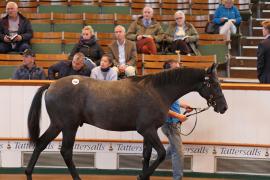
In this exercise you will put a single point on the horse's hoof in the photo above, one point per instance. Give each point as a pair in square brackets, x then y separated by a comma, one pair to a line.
[28, 177]
[139, 177]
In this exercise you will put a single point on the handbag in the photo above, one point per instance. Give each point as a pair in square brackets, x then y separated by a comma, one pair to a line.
[212, 28]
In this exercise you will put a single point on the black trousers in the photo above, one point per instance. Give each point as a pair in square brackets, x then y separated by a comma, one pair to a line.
[182, 46]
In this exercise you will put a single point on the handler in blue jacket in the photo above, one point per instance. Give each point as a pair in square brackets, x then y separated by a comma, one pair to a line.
[171, 130]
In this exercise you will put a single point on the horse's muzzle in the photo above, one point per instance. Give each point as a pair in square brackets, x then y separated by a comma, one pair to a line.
[222, 110]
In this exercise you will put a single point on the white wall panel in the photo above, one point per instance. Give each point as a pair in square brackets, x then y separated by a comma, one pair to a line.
[5, 111]
[246, 121]
[17, 111]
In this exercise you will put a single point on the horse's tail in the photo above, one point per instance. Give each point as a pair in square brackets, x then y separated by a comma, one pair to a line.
[34, 115]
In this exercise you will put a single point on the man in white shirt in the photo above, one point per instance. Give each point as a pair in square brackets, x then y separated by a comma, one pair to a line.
[123, 52]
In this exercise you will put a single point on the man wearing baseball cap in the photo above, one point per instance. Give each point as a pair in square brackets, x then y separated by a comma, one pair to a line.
[29, 70]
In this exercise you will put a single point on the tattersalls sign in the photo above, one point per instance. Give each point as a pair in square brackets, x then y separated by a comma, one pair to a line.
[250, 152]
[207, 152]
[116, 147]
[55, 146]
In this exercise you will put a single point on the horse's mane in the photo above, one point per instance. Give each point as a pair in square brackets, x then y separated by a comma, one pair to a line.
[177, 75]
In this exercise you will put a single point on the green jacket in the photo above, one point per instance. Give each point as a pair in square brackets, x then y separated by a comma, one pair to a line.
[137, 28]
[189, 30]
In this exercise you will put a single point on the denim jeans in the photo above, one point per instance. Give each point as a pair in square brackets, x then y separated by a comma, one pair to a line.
[174, 150]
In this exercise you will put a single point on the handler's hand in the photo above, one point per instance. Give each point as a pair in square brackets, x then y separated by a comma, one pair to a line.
[188, 109]
[182, 118]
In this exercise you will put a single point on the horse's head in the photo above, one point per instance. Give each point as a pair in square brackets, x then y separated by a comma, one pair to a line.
[210, 89]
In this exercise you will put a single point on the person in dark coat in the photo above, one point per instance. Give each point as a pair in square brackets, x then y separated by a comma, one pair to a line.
[88, 46]
[263, 55]
[28, 70]
[67, 68]
[15, 30]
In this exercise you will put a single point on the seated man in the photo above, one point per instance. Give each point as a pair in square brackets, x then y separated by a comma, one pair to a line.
[123, 52]
[67, 68]
[146, 31]
[29, 70]
[104, 71]
[15, 30]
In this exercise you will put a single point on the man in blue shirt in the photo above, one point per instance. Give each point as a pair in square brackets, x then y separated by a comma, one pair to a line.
[171, 130]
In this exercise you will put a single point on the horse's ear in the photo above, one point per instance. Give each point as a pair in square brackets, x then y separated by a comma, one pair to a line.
[212, 69]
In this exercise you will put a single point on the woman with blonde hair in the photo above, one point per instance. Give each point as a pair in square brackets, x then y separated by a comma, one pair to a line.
[88, 46]
[228, 18]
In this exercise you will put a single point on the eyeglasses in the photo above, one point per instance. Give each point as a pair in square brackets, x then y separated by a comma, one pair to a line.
[178, 18]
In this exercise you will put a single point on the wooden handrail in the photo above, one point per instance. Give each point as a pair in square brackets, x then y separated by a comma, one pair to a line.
[24, 82]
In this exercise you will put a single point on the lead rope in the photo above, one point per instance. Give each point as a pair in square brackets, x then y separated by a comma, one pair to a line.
[197, 111]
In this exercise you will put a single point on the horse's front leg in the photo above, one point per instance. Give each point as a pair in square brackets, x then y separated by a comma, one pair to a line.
[147, 151]
[152, 138]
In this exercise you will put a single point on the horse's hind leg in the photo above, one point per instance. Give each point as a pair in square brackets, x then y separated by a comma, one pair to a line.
[147, 151]
[152, 137]
[67, 150]
[42, 143]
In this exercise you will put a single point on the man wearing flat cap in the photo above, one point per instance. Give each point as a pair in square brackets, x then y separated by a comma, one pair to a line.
[28, 70]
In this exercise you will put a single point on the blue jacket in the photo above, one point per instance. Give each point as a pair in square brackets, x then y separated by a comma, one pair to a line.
[230, 13]
[176, 108]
